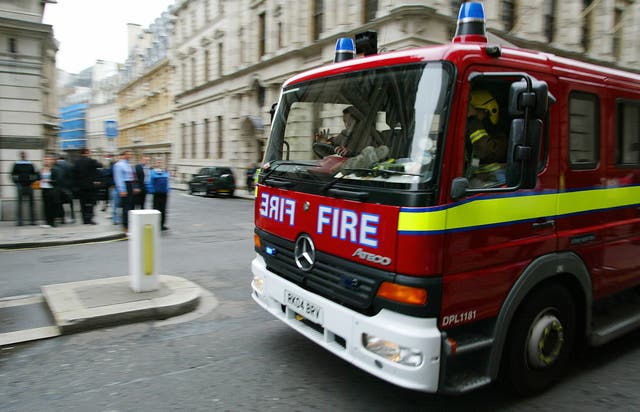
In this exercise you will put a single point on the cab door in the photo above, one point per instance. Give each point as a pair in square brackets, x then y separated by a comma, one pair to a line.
[491, 237]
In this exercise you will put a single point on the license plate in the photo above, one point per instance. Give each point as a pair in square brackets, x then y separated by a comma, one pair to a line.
[303, 307]
[223, 190]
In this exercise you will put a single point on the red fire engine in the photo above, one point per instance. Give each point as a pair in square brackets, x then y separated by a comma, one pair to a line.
[441, 215]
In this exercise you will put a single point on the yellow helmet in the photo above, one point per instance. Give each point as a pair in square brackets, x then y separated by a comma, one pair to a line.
[482, 99]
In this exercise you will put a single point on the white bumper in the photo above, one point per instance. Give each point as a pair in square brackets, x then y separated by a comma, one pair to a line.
[417, 333]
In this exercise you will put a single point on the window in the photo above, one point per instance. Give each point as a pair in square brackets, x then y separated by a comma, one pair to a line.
[280, 35]
[220, 59]
[193, 140]
[486, 134]
[184, 76]
[509, 14]
[586, 25]
[369, 10]
[549, 20]
[219, 133]
[184, 140]
[193, 72]
[584, 135]
[455, 7]
[207, 147]
[316, 20]
[617, 32]
[13, 45]
[207, 10]
[261, 34]
[628, 133]
[207, 76]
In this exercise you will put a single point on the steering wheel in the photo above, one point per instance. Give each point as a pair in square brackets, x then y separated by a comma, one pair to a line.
[323, 149]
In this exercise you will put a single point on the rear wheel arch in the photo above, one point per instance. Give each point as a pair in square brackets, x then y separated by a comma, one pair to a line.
[566, 269]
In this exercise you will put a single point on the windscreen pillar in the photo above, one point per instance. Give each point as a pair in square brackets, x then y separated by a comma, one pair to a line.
[144, 250]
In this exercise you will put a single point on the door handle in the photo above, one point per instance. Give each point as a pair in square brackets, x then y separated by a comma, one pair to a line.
[544, 225]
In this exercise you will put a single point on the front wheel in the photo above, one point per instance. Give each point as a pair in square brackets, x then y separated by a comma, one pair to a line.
[539, 343]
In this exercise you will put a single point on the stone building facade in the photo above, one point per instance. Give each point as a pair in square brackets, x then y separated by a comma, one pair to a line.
[144, 98]
[102, 107]
[231, 57]
[28, 109]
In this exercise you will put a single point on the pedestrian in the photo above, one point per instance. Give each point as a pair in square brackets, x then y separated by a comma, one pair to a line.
[106, 182]
[24, 175]
[251, 171]
[159, 186]
[115, 198]
[126, 184]
[49, 185]
[87, 180]
[66, 187]
[143, 172]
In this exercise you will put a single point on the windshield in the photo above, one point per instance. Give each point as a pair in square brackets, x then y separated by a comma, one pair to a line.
[380, 125]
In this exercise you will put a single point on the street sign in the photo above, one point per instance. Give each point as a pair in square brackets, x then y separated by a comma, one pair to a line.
[111, 128]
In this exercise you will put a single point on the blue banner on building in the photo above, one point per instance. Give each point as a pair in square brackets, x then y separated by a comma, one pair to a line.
[111, 128]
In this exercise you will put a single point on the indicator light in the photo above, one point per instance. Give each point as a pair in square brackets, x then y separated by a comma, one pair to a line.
[402, 294]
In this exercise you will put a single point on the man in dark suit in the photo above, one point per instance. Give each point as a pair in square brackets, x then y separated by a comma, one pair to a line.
[143, 172]
[24, 175]
[65, 182]
[87, 180]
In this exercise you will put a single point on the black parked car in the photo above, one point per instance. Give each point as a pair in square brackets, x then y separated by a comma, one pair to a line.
[213, 181]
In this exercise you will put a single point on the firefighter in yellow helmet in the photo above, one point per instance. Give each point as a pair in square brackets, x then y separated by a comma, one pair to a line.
[487, 148]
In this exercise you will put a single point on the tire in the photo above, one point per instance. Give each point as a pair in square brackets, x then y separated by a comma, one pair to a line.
[540, 340]
[232, 193]
[191, 190]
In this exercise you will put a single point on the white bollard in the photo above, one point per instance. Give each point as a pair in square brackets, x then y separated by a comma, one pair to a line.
[144, 250]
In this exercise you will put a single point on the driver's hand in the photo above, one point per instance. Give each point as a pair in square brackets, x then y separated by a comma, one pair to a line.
[322, 136]
[341, 150]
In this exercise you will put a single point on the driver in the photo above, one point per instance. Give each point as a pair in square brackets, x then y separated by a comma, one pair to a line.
[344, 143]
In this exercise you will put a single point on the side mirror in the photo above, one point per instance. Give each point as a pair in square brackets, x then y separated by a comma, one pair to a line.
[459, 187]
[534, 97]
[523, 153]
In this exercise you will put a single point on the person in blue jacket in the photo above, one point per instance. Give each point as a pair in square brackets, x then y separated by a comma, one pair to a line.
[158, 186]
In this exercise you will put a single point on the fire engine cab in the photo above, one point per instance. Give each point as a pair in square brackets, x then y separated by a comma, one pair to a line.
[443, 215]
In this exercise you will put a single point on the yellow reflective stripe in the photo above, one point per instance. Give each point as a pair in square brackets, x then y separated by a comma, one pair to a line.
[482, 212]
[491, 167]
[587, 200]
[477, 135]
[422, 221]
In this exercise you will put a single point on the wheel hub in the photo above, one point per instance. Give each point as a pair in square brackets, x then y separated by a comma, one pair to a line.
[545, 341]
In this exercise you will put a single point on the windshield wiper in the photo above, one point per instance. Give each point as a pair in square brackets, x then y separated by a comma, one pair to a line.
[371, 172]
[275, 182]
[377, 172]
[274, 166]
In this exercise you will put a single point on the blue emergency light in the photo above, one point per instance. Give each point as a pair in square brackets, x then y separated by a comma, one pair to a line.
[345, 49]
[471, 22]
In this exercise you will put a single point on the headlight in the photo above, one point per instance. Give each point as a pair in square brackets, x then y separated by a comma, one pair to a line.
[392, 351]
[258, 284]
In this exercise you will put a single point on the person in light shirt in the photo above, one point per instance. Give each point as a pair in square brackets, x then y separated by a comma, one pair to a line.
[126, 184]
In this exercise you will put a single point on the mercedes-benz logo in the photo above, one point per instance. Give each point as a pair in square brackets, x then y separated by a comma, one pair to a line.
[304, 252]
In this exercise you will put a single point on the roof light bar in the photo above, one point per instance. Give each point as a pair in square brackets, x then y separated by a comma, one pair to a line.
[471, 23]
[345, 49]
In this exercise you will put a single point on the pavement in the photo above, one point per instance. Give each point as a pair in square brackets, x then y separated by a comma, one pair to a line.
[78, 306]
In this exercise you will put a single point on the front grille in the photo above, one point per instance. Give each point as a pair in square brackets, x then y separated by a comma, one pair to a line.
[340, 280]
